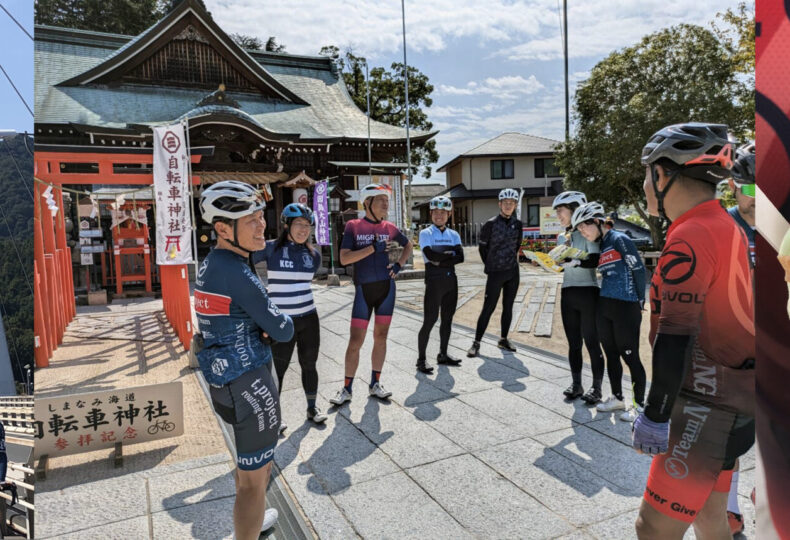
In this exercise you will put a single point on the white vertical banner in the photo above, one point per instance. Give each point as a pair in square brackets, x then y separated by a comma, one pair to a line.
[518, 206]
[171, 192]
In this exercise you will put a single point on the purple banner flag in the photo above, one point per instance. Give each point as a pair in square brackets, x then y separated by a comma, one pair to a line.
[321, 210]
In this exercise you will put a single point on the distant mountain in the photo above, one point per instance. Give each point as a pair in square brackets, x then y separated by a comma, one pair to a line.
[16, 244]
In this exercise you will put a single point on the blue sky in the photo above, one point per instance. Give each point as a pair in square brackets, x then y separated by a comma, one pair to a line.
[16, 56]
[496, 66]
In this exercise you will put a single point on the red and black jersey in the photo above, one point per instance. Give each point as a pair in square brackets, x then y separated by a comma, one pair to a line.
[702, 285]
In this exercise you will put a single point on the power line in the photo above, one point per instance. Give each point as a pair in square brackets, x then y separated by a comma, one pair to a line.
[19, 172]
[17, 91]
[16, 21]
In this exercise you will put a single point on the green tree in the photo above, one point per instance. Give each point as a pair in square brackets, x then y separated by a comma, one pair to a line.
[129, 17]
[273, 46]
[388, 99]
[680, 74]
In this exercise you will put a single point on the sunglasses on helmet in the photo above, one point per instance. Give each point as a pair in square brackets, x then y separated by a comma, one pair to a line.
[441, 205]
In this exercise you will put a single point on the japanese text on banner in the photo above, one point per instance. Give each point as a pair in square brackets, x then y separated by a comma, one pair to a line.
[321, 211]
[171, 190]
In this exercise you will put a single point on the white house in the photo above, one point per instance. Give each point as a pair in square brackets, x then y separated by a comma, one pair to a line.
[514, 160]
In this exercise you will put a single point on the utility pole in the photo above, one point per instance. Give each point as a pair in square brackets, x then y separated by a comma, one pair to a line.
[565, 49]
[408, 141]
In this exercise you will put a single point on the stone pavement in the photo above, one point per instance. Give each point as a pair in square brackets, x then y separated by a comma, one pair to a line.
[486, 450]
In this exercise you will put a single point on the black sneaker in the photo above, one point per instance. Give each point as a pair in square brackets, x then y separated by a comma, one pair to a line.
[447, 360]
[314, 414]
[592, 396]
[574, 391]
[423, 368]
[505, 344]
[473, 350]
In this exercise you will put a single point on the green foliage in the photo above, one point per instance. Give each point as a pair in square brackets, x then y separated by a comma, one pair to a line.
[129, 17]
[680, 74]
[388, 99]
[16, 233]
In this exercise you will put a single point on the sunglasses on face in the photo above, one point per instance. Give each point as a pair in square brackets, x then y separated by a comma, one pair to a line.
[747, 189]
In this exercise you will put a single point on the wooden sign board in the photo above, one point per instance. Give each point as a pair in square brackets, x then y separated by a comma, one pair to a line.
[92, 421]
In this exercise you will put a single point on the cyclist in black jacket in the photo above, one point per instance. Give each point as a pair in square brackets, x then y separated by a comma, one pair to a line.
[500, 240]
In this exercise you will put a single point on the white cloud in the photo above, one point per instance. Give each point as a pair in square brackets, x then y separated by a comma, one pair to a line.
[523, 30]
[507, 87]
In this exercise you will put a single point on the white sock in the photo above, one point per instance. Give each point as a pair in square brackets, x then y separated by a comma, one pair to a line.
[732, 500]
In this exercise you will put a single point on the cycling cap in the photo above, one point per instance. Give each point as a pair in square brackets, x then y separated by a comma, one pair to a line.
[508, 193]
[296, 210]
[702, 151]
[230, 199]
[441, 203]
[569, 198]
[587, 211]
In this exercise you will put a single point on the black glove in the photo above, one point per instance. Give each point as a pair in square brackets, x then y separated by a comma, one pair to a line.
[267, 339]
[394, 268]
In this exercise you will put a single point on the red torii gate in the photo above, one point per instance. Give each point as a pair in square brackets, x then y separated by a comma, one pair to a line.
[55, 305]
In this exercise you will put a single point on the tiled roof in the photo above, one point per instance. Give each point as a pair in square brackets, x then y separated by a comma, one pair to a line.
[62, 54]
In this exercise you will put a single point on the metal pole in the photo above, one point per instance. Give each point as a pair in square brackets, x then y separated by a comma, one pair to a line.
[408, 140]
[565, 37]
[367, 91]
[191, 195]
[331, 245]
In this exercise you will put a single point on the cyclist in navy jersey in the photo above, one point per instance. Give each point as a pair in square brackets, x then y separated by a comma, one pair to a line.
[3, 455]
[238, 322]
[366, 243]
[441, 251]
[291, 263]
[619, 313]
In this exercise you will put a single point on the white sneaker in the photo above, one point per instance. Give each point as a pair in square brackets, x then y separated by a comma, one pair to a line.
[611, 404]
[283, 426]
[379, 391]
[631, 414]
[341, 397]
[269, 519]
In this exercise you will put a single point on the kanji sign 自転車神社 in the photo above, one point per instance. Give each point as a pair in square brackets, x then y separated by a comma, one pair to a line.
[85, 422]
[173, 198]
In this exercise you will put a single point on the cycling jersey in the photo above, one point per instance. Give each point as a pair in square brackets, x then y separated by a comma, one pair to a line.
[500, 241]
[747, 229]
[2, 439]
[290, 269]
[360, 233]
[232, 309]
[444, 247]
[701, 291]
[579, 276]
[622, 268]
[702, 286]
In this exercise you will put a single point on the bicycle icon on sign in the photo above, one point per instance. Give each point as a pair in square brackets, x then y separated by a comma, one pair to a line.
[161, 425]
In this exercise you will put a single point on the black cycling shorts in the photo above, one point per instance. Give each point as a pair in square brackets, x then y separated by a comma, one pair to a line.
[251, 405]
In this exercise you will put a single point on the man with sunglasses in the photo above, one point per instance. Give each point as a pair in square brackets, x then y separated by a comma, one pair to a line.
[441, 251]
[742, 184]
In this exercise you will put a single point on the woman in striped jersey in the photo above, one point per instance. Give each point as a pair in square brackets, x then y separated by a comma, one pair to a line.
[292, 262]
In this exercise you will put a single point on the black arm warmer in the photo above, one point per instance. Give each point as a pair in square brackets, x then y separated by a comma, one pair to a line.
[671, 359]
[482, 244]
[591, 261]
[435, 256]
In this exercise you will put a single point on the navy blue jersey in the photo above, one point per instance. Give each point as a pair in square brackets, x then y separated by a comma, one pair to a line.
[622, 268]
[290, 269]
[748, 229]
[2, 439]
[233, 308]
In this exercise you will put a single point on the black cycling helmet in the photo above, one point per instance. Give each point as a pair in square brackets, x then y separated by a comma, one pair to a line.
[744, 164]
[697, 150]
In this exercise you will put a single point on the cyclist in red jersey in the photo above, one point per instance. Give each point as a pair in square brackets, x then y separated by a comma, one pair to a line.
[702, 330]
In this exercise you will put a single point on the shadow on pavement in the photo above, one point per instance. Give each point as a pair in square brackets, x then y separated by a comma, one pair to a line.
[428, 410]
[205, 525]
[508, 372]
[347, 445]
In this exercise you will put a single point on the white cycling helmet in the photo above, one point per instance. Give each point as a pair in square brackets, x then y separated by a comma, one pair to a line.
[569, 198]
[508, 193]
[230, 199]
[440, 203]
[371, 190]
[590, 210]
